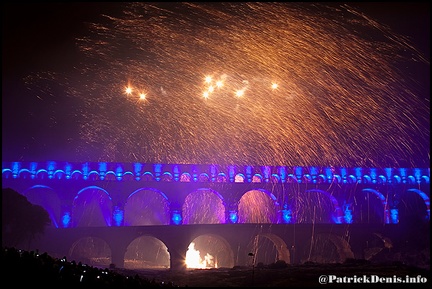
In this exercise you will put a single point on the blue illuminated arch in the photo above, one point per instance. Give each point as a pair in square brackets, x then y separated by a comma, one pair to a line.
[146, 206]
[190, 207]
[425, 199]
[148, 189]
[383, 202]
[246, 211]
[106, 210]
[50, 203]
[338, 217]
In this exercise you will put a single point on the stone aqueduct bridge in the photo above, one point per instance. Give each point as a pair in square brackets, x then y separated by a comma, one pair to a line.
[364, 203]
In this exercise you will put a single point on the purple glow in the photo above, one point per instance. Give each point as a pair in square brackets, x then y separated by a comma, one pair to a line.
[394, 215]
[286, 215]
[176, 174]
[203, 206]
[425, 199]
[383, 201]
[176, 218]
[92, 207]
[66, 220]
[146, 207]
[348, 217]
[256, 206]
[233, 216]
[317, 206]
[118, 216]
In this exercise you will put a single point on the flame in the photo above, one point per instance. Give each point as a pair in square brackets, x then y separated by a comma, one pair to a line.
[194, 260]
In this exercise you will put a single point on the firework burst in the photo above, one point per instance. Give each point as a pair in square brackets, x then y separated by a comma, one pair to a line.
[248, 83]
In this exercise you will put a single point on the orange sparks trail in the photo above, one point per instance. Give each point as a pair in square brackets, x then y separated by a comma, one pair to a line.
[249, 83]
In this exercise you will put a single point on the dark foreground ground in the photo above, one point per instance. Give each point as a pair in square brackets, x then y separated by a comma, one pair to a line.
[306, 275]
[30, 269]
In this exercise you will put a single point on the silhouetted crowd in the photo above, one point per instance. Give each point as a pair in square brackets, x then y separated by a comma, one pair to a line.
[29, 268]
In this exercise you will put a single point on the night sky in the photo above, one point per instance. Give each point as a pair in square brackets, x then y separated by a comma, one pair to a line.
[51, 110]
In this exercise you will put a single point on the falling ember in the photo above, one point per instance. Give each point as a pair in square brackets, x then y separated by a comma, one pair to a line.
[344, 94]
[194, 260]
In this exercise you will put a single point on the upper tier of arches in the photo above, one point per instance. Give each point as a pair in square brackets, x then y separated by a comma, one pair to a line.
[212, 173]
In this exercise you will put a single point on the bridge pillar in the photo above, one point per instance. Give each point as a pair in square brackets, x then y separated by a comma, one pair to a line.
[358, 245]
[293, 255]
[118, 241]
[117, 256]
[178, 256]
[177, 241]
[243, 256]
[178, 259]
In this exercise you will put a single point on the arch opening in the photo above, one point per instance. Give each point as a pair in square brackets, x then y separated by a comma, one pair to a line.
[147, 252]
[146, 207]
[209, 251]
[257, 206]
[203, 206]
[92, 207]
[92, 251]
[268, 249]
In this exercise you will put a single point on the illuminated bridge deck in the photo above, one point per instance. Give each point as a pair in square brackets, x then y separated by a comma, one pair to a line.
[117, 206]
[238, 193]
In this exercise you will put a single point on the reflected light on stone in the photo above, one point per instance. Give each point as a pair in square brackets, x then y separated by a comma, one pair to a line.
[66, 220]
[118, 216]
[233, 217]
[394, 214]
[176, 218]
